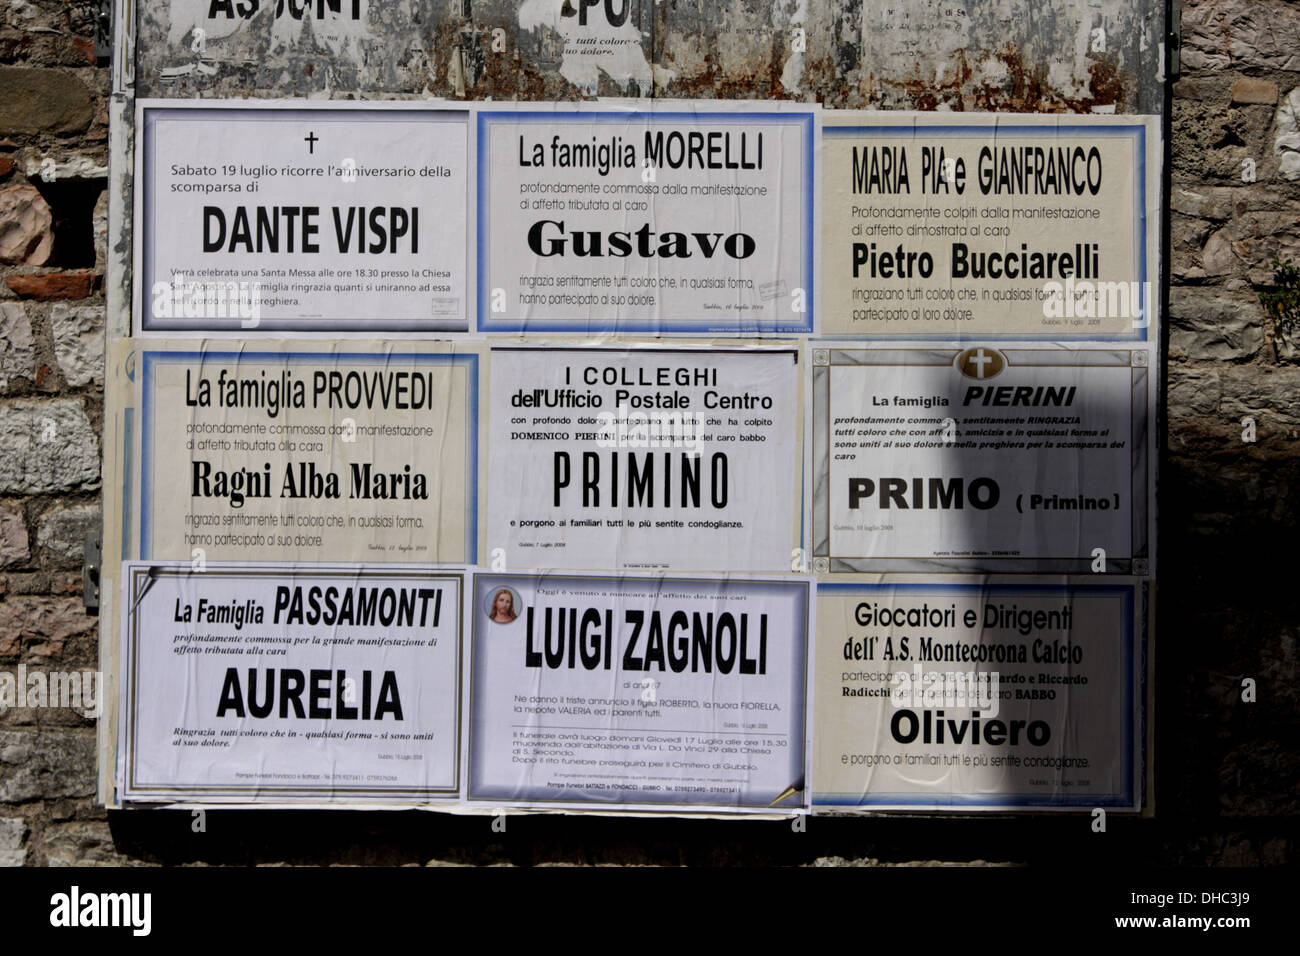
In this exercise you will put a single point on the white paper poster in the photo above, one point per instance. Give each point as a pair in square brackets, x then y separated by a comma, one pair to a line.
[652, 458]
[980, 459]
[308, 452]
[294, 217]
[645, 220]
[968, 226]
[979, 695]
[653, 692]
[262, 684]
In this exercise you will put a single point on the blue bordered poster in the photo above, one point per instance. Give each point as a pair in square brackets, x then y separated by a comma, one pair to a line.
[975, 695]
[302, 217]
[309, 453]
[646, 220]
[280, 683]
[950, 226]
[679, 692]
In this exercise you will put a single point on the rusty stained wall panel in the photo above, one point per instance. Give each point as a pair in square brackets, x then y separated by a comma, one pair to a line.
[1007, 55]
[1013, 55]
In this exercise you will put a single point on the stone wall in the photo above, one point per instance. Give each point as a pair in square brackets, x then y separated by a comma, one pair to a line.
[1228, 770]
[53, 210]
[1228, 775]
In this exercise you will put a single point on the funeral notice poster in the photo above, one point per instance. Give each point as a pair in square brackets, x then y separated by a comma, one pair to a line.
[979, 695]
[250, 683]
[308, 452]
[982, 459]
[651, 458]
[646, 220]
[289, 217]
[983, 226]
[638, 691]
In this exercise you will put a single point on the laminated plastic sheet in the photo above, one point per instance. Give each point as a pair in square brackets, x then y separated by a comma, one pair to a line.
[645, 456]
[592, 691]
[247, 683]
[948, 457]
[301, 217]
[980, 694]
[307, 452]
[990, 226]
[651, 218]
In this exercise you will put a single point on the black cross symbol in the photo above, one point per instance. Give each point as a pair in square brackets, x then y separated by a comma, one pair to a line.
[311, 139]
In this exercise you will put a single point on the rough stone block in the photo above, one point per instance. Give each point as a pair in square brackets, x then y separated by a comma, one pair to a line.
[72, 167]
[17, 348]
[25, 226]
[38, 765]
[1214, 141]
[83, 843]
[13, 536]
[47, 446]
[13, 831]
[1214, 326]
[1212, 87]
[1259, 779]
[1249, 90]
[1262, 34]
[1268, 394]
[79, 342]
[42, 626]
[1264, 225]
[1203, 202]
[62, 533]
[1194, 391]
[1219, 257]
[1287, 144]
[43, 101]
[99, 223]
